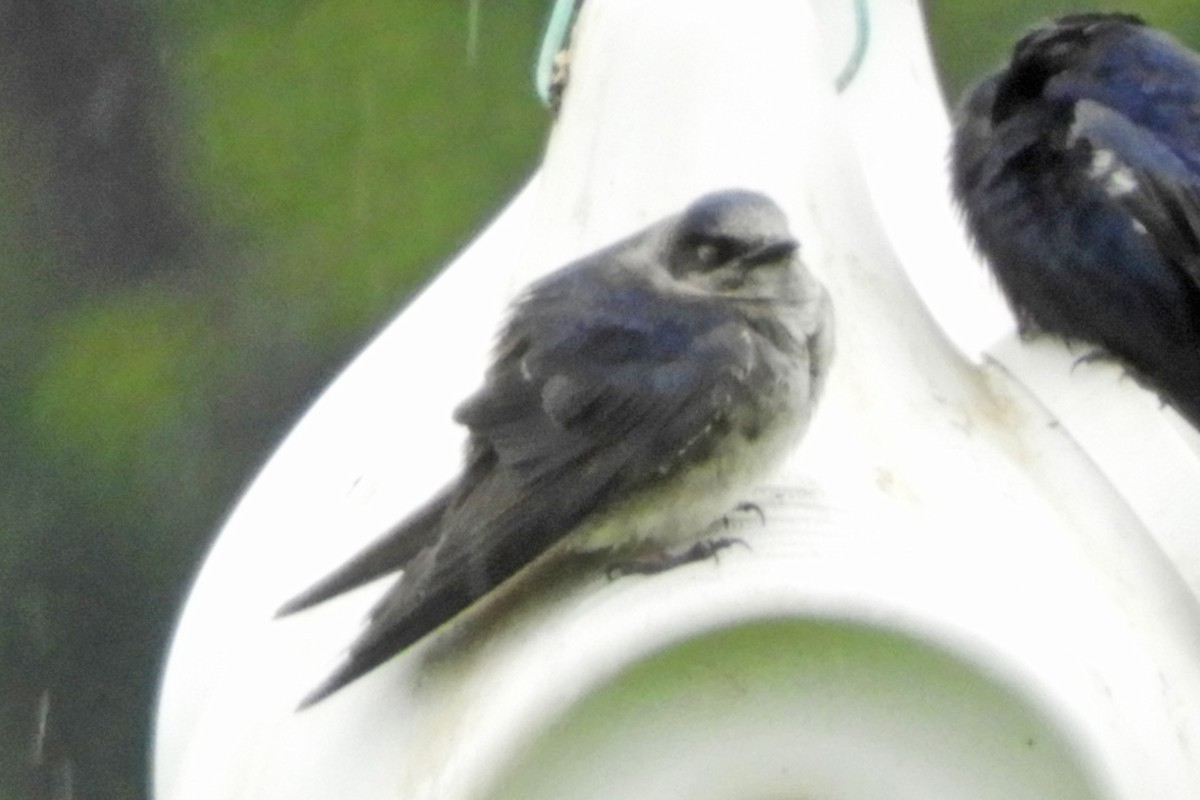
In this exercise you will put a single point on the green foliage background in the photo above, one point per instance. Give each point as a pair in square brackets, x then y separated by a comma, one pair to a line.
[970, 38]
[307, 164]
[205, 210]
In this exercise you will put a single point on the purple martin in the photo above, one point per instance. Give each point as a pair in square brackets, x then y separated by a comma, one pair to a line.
[632, 394]
[1077, 165]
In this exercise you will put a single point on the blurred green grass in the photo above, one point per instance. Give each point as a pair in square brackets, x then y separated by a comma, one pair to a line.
[347, 144]
[326, 156]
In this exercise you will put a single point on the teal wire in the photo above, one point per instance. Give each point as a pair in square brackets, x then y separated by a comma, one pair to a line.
[558, 28]
[862, 37]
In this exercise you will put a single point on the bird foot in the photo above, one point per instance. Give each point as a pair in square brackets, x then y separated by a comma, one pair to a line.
[658, 561]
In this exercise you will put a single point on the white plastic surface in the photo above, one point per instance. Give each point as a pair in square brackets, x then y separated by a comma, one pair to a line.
[949, 597]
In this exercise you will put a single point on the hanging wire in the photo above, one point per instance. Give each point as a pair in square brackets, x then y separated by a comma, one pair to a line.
[562, 15]
[862, 37]
[558, 30]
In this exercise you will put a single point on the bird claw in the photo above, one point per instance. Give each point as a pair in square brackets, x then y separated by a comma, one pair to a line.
[746, 506]
[1096, 356]
[662, 560]
[724, 523]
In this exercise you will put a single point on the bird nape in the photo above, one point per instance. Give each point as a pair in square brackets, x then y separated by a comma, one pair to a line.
[632, 395]
[1077, 165]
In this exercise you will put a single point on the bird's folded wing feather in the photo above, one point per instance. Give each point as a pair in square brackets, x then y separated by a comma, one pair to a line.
[1144, 174]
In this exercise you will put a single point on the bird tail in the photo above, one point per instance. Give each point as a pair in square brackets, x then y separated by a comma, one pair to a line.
[393, 625]
[439, 582]
[390, 552]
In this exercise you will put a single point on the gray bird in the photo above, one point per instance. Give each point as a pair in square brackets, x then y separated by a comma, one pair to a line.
[632, 395]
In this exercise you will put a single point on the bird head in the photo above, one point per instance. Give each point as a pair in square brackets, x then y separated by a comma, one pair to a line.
[1051, 50]
[736, 244]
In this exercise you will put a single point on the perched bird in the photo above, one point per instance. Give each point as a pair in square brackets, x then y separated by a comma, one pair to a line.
[1078, 167]
[632, 394]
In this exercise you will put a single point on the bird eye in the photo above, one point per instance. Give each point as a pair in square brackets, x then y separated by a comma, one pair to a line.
[714, 251]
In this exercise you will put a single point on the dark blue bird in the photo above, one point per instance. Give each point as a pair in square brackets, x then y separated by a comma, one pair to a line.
[1078, 167]
[632, 395]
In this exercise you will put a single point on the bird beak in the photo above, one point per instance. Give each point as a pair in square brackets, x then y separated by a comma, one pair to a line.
[771, 252]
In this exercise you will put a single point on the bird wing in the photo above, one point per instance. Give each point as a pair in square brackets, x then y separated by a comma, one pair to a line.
[1170, 212]
[1142, 173]
[1158, 193]
[610, 401]
[579, 409]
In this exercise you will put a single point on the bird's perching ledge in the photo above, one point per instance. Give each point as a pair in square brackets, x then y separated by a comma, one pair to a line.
[955, 594]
